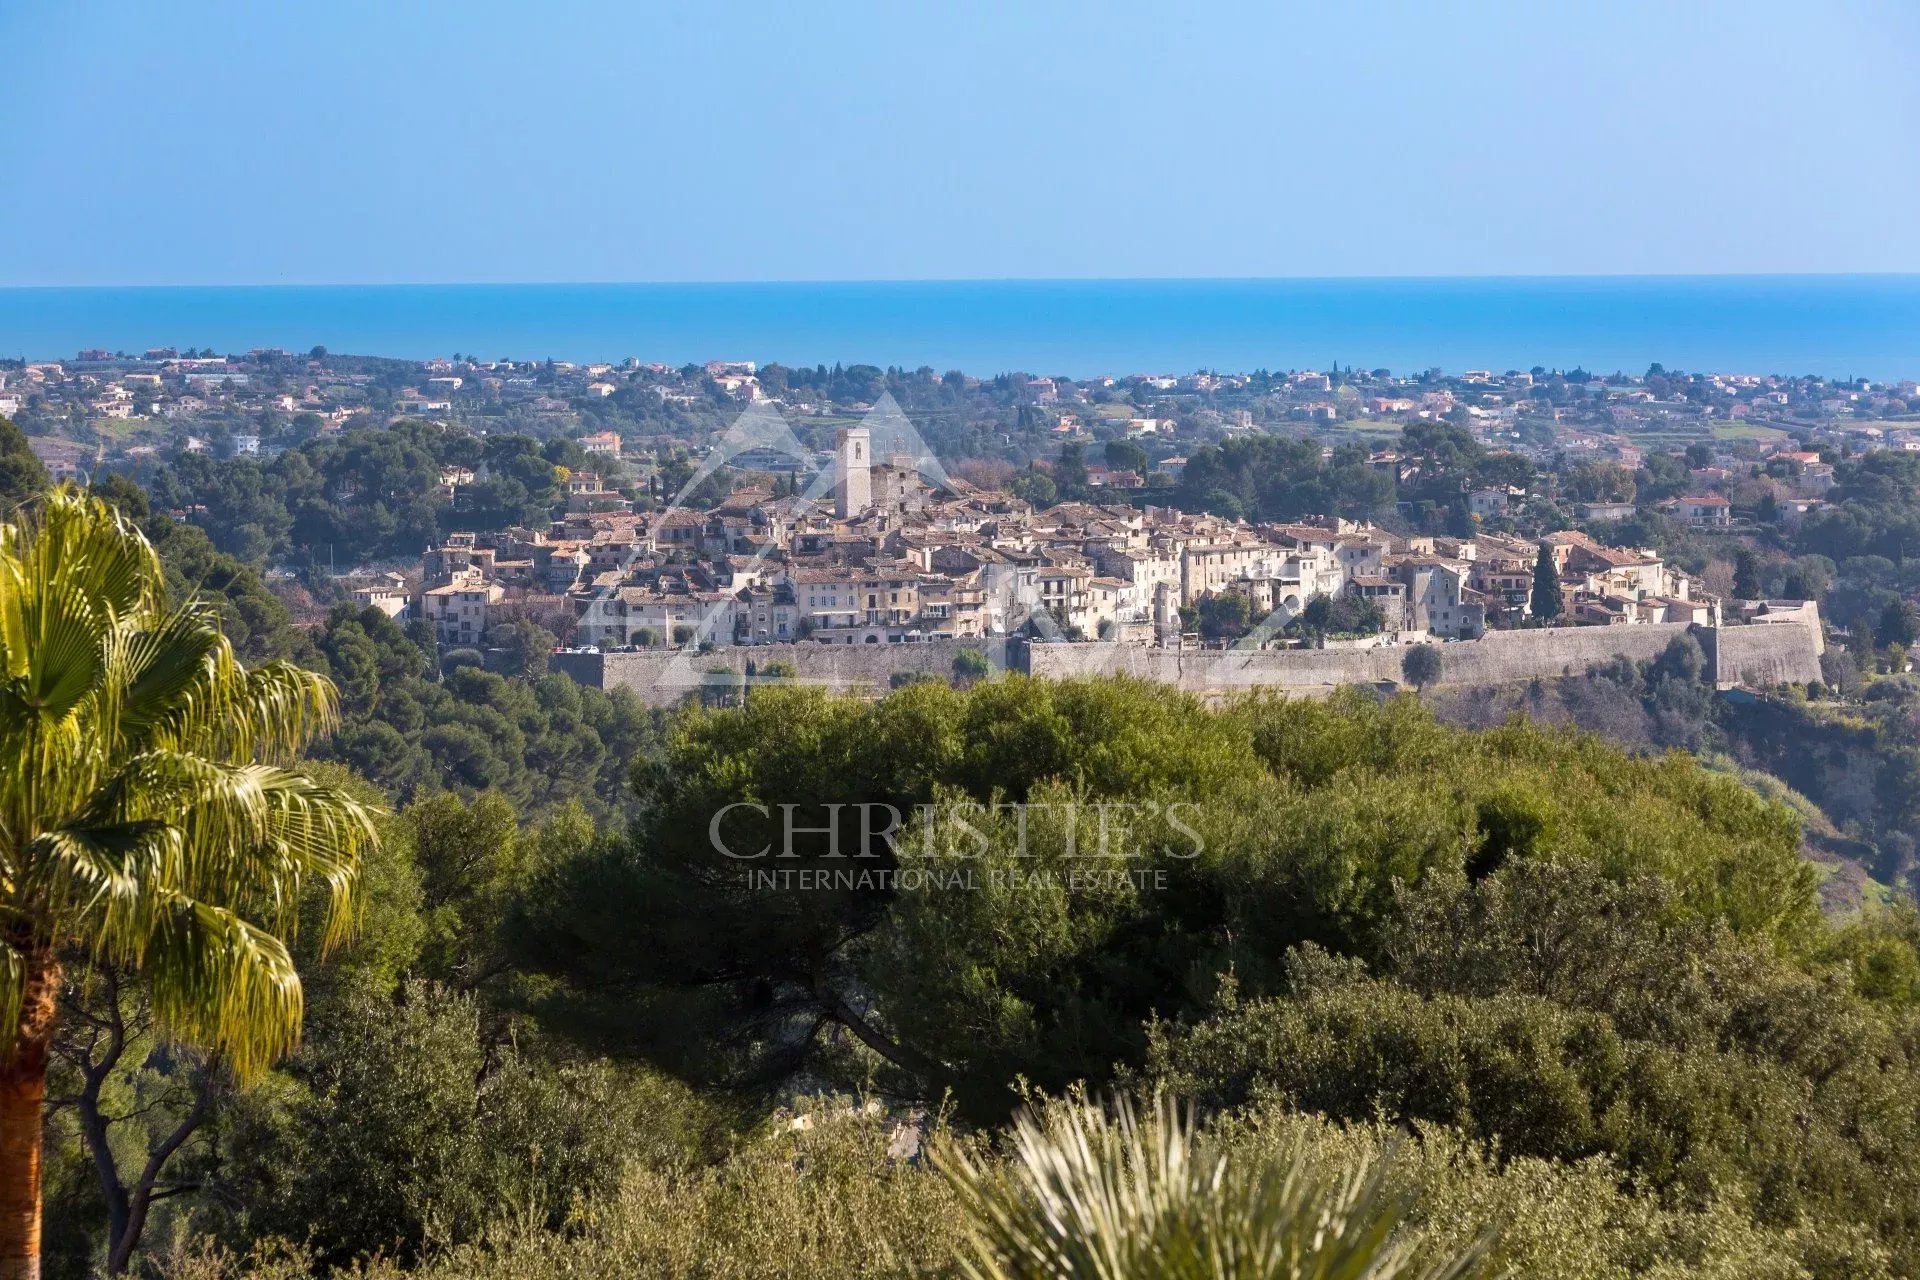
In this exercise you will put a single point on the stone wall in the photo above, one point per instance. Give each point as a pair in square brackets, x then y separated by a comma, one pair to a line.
[1500, 657]
[662, 677]
[1765, 653]
[1759, 654]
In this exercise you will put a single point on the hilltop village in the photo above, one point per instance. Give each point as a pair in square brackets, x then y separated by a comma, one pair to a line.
[895, 558]
[621, 506]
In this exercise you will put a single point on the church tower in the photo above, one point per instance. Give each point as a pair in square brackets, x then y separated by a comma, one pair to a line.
[853, 473]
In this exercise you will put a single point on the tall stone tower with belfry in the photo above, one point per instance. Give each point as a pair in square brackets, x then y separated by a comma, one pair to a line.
[853, 473]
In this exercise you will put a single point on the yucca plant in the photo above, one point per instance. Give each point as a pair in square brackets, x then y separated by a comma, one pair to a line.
[147, 816]
[1093, 1195]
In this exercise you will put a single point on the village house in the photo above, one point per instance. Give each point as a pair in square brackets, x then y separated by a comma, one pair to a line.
[388, 593]
[1705, 510]
[458, 610]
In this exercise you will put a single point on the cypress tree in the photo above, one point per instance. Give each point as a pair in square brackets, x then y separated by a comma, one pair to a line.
[1546, 587]
[1746, 576]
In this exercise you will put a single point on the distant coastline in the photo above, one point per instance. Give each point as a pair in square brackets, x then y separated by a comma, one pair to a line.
[1836, 326]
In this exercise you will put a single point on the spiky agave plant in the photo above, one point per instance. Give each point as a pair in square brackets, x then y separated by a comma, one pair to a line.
[1093, 1195]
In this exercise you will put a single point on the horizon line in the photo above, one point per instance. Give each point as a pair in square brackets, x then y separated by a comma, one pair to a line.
[982, 280]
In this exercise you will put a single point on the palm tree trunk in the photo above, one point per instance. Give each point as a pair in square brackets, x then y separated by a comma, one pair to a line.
[23, 1091]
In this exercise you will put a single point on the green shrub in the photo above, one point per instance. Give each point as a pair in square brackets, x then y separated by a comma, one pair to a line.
[843, 1197]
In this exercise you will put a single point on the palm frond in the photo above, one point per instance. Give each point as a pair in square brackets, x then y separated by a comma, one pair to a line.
[106, 875]
[185, 688]
[13, 586]
[89, 545]
[264, 838]
[282, 707]
[220, 982]
[317, 835]
[70, 556]
[61, 628]
[148, 812]
[168, 674]
[255, 837]
[1093, 1196]
[13, 995]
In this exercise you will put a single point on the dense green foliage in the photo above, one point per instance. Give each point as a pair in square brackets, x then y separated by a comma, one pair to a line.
[835, 1199]
[365, 492]
[1564, 1015]
[1306, 815]
[540, 741]
[149, 822]
[1225, 615]
[1342, 615]
[1278, 478]
[1598, 986]
[256, 622]
[20, 471]
[1852, 767]
[419, 1107]
[1866, 539]
[1873, 510]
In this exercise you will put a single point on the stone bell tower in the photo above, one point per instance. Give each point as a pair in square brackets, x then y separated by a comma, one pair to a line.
[853, 473]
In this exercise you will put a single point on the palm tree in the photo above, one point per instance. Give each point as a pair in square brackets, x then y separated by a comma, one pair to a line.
[147, 818]
[1090, 1196]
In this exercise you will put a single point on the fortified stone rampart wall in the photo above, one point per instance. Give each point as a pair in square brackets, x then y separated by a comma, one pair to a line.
[662, 677]
[1757, 654]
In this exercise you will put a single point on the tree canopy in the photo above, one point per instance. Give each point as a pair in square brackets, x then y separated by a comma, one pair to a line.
[21, 474]
[413, 728]
[365, 492]
[1305, 815]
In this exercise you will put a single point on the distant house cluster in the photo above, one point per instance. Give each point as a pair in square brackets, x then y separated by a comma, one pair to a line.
[899, 557]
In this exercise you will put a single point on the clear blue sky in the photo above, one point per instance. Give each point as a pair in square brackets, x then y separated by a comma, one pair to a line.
[358, 141]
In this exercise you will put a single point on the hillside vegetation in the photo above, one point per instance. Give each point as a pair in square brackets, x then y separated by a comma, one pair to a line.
[1576, 1009]
[1578, 1002]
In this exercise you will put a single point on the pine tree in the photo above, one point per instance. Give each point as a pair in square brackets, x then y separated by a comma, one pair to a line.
[21, 475]
[1546, 587]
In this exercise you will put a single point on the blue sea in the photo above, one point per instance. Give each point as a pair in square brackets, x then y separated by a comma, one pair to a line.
[1840, 326]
